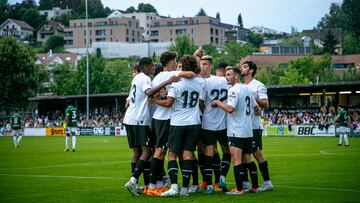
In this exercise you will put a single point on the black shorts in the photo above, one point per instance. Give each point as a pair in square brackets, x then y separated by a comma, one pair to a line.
[245, 144]
[183, 138]
[138, 135]
[160, 129]
[210, 137]
[257, 135]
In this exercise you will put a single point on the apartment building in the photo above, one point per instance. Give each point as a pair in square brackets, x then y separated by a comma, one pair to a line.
[201, 30]
[145, 20]
[102, 30]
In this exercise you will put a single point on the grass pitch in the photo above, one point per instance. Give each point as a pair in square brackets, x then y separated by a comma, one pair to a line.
[302, 169]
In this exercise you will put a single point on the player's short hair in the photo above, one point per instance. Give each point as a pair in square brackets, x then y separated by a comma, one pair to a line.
[158, 68]
[189, 63]
[207, 58]
[167, 56]
[340, 105]
[252, 66]
[16, 110]
[145, 61]
[235, 69]
[222, 65]
[136, 67]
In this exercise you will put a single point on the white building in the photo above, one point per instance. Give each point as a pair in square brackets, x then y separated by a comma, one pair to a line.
[124, 50]
[17, 28]
[55, 12]
[264, 30]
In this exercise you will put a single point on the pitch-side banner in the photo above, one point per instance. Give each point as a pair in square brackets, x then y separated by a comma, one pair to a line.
[96, 131]
[314, 130]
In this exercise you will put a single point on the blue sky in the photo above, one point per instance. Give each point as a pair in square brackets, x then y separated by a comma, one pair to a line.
[275, 14]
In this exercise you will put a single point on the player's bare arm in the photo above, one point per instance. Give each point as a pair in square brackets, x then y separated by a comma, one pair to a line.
[227, 108]
[165, 103]
[151, 92]
[263, 103]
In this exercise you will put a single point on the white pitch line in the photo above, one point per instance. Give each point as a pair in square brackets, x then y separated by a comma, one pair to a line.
[67, 165]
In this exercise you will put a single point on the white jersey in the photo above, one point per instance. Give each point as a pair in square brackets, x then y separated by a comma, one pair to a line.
[214, 118]
[259, 92]
[163, 113]
[186, 94]
[239, 121]
[138, 111]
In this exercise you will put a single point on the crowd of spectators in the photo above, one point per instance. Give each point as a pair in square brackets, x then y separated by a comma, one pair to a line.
[322, 116]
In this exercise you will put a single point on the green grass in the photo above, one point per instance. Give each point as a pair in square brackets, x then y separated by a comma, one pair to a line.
[303, 169]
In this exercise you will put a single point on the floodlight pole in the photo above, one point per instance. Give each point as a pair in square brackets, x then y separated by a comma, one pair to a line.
[87, 61]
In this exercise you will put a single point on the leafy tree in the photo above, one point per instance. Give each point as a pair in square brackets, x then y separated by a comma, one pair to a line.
[254, 39]
[105, 77]
[271, 75]
[234, 51]
[292, 77]
[293, 40]
[21, 78]
[65, 80]
[131, 9]
[183, 46]
[210, 49]
[54, 43]
[240, 21]
[351, 44]
[218, 15]
[201, 12]
[32, 17]
[146, 8]
[335, 19]
[45, 4]
[330, 43]
[351, 9]
[4, 10]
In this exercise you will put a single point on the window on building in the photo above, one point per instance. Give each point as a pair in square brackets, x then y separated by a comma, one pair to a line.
[216, 32]
[129, 23]
[133, 33]
[180, 31]
[154, 33]
[211, 31]
[156, 24]
[216, 40]
[169, 23]
[100, 32]
[110, 31]
[211, 39]
[127, 31]
[127, 39]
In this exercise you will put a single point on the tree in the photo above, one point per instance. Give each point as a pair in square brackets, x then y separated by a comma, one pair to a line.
[351, 44]
[4, 10]
[335, 19]
[131, 9]
[330, 43]
[218, 15]
[254, 39]
[201, 12]
[183, 46]
[45, 4]
[32, 17]
[54, 43]
[21, 78]
[351, 9]
[240, 21]
[293, 77]
[105, 77]
[146, 8]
